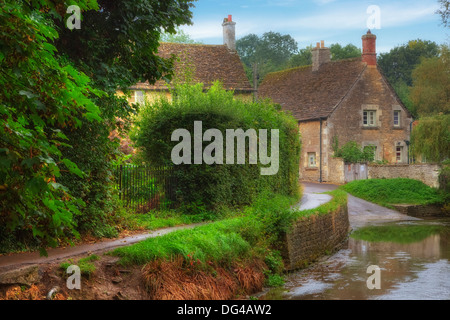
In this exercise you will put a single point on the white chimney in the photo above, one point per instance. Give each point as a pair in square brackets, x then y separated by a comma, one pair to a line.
[229, 33]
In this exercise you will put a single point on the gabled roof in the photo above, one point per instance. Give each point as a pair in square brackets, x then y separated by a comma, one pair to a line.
[312, 95]
[208, 63]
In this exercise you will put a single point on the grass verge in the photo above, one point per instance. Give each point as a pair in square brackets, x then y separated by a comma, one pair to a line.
[387, 192]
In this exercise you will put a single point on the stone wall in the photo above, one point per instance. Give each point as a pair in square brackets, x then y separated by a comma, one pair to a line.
[427, 173]
[312, 237]
[335, 170]
[422, 211]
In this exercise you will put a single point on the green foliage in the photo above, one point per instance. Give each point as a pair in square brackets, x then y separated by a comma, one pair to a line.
[85, 265]
[398, 65]
[41, 96]
[270, 52]
[431, 138]
[178, 37]
[274, 280]
[302, 58]
[431, 84]
[58, 105]
[444, 12]
[349, 51]
[352, 152]
[215, 185]
[386, 192]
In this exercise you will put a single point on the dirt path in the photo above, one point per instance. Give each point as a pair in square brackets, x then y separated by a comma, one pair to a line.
[13, 261]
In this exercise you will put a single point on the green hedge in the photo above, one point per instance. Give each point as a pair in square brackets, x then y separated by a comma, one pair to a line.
[218, 185]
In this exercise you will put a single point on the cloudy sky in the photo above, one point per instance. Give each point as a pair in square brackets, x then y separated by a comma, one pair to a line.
[335, 21]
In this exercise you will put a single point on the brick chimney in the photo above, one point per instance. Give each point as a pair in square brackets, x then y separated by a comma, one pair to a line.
[320, 55]
[229, 33]
[369, 54]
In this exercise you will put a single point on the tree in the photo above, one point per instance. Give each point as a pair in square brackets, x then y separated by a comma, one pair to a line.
[270, 52]
[431, 138]
[444, 11]
[431, 85]
[302, 58]
[116, 46]
[178, 37]
[41, 94]
[349, 51]
[398, 64]
[59, 105]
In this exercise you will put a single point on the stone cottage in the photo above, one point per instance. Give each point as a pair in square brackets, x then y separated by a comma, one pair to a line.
[346, 100]
[199, 63]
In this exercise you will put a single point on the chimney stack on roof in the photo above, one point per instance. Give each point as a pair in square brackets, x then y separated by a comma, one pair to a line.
[320, 55]
[369, 54]
[229, 33]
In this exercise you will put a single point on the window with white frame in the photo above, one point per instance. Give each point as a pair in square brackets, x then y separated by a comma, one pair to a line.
[369, 118]
[312, 159]
[397, 114]
[139, 96]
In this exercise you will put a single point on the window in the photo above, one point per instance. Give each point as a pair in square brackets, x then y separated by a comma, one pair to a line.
[139, 97]
[369, 118]
[398, 154]
[312, 159]
[396, 118]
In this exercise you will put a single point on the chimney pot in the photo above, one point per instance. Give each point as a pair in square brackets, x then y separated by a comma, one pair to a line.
[230, 18]
[322, 44]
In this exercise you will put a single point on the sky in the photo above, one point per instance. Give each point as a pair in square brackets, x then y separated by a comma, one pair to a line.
[334, 21]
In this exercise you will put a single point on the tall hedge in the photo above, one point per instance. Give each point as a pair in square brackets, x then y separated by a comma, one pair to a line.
[218, 184]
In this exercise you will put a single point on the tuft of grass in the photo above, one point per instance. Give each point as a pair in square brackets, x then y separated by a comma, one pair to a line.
[85, 265]
[387, 192]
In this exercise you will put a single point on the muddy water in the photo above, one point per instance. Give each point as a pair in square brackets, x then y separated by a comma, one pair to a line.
[413, 257]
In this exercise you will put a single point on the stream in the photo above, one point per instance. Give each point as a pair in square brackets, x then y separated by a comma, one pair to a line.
[412, 256]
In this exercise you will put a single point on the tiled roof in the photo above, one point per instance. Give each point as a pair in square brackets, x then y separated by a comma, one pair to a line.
[312, 95]
[208, 63]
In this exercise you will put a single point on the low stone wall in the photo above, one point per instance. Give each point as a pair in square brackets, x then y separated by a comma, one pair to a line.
[422, 211]
[427, 173]
[312, 237]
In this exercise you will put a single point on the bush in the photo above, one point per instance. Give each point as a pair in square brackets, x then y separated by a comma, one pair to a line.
[218, 185]
[352, 152]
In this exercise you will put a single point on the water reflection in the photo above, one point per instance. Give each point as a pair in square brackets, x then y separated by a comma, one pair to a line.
[413, 257]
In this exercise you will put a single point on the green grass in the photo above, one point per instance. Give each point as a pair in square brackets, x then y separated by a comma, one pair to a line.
[387, 192]
[217, 242]
[256, 231]
[85, 265]
[339, 198]
[397, 234]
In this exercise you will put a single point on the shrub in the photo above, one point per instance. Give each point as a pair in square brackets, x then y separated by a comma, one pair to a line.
[352, 152]
[218, 185]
